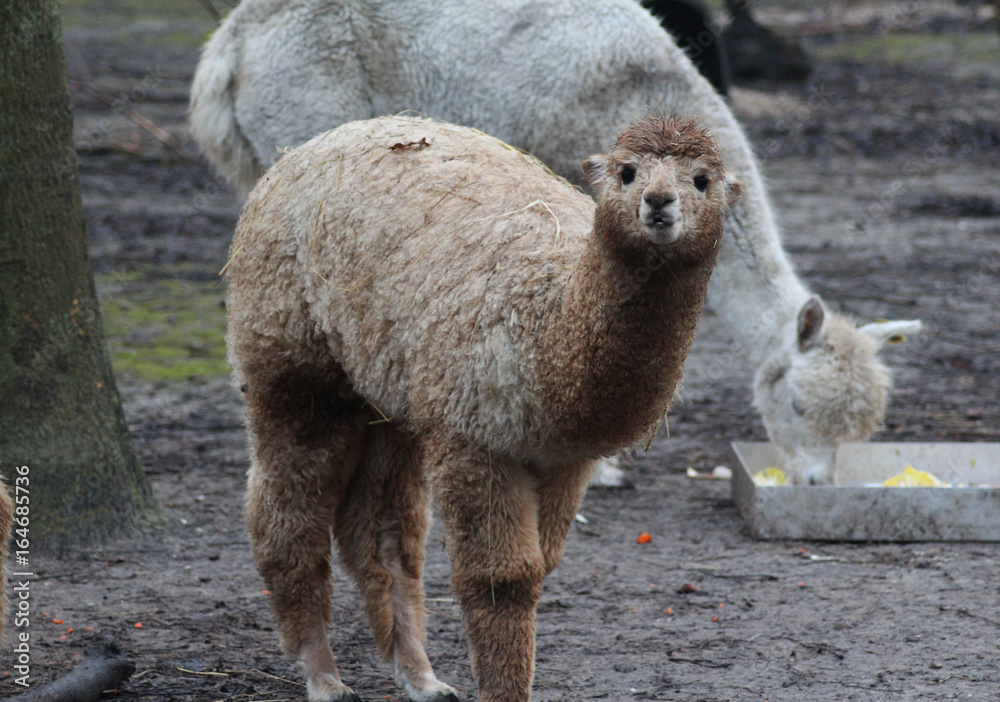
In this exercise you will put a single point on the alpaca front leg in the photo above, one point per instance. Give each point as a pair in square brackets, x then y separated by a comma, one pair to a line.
[560, 492]
[490, 511]
[381, 530]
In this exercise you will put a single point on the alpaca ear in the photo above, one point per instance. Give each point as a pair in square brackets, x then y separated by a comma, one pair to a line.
[595, 169]
[810, 323]
[894, 332]
[733, 189]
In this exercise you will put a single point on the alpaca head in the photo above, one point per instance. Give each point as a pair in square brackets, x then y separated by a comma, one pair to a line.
[826, 387]
[664, 185]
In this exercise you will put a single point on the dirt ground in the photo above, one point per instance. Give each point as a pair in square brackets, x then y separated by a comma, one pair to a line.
[883, 170]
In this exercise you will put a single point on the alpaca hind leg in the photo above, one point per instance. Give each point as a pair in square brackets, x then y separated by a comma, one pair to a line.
[305, 451]
[381, 530]
[490, 511]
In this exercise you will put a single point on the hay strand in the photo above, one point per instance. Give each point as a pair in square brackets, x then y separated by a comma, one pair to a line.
[384, 419]
[242, 235]
[536, 203]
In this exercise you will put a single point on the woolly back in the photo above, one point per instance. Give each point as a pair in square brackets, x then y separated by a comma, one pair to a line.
[460, 286]
[431, 259]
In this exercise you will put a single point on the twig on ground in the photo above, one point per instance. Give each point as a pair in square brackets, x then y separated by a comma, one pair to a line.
[129, 112]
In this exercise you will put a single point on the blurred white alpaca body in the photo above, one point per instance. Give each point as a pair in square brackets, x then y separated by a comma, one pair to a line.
[558, 78]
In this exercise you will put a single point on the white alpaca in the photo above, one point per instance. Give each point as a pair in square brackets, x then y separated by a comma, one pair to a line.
[557, 78]
[416, 305]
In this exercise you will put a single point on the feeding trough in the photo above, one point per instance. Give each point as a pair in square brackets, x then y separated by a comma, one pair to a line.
[860, 508]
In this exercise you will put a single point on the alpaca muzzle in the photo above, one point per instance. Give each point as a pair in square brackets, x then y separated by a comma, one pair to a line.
[661, 216]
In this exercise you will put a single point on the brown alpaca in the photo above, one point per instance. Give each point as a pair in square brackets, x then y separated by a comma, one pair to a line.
[416, 308]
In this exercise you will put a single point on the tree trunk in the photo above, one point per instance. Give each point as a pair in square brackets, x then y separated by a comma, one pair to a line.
[60, 414]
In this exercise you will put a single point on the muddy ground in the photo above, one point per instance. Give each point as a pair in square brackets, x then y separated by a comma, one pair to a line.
[884, 173]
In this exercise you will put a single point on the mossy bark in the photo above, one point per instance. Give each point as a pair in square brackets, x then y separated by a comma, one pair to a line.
[60, 413]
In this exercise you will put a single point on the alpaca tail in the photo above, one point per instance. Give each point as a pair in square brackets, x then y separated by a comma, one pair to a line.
[214, 125]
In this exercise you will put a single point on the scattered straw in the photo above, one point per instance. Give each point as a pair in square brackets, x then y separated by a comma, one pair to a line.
[340, 171]
[315, 236]
[526, 156]
[537, 203]
[268, 675]
[355, 302]
[312, 254]
[384, 420]
[427, 213]
[242, 237]
[353, 289]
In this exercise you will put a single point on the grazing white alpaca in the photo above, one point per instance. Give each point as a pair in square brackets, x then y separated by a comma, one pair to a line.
[416, 306]
[824, 385]
[557, 78]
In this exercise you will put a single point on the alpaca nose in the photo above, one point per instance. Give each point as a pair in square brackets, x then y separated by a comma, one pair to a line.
[659, 199]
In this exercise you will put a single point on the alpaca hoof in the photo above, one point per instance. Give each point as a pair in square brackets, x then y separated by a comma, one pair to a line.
[444, 697]
[327, 688]
[438, 692]
[349, 696]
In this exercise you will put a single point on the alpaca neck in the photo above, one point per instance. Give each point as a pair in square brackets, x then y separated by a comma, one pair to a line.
[614, 356]
[755, 291]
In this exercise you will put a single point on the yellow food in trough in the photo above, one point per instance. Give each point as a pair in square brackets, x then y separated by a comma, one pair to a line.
[911, 477]
[770, 476]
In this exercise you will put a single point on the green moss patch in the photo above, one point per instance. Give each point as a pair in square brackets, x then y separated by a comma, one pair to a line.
[164, 329]
[184, 23]
[912, 49]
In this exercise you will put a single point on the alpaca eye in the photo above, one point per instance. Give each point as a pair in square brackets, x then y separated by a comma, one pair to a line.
[627, 175]
[798, 408]
[701, 182]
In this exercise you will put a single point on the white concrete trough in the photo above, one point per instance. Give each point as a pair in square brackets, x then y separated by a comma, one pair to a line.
[859, 508]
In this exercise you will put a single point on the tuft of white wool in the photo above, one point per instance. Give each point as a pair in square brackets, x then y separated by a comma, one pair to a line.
[558, 78]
